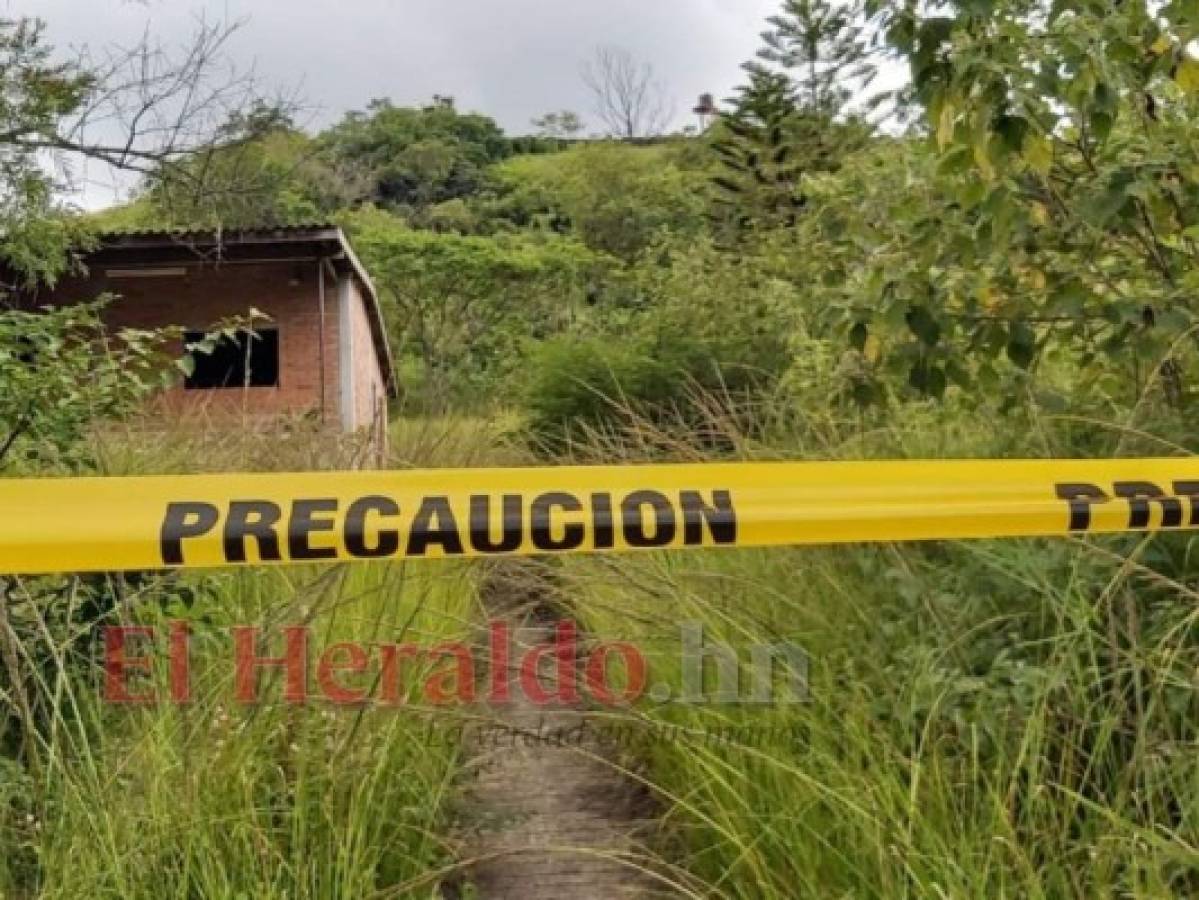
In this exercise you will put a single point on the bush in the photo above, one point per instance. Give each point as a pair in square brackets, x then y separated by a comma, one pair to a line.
[613, 197]
[585, 385]
[697, 329]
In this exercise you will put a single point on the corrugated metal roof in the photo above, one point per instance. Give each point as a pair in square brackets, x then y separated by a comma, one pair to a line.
[192, 231]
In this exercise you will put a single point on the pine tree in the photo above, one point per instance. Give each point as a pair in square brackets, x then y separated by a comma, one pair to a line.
[754, 145]
[822, 45]
[791, 117]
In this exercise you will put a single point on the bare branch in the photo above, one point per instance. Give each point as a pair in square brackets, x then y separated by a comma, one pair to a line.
[628, 98]
[150, 107]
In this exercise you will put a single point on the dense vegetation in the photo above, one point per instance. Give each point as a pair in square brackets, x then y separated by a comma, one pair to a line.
[997, 260]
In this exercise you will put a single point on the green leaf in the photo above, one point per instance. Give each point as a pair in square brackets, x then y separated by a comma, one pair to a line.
[1022, 344]
[1113, 201]
[918, 375]
[1105, 98]
[1052, 401]
[927, 379]
[1186, 76]
[1175, 320]
[923, 325]
[1101, 124]
[936, 382]
[858, 335]
[1184, 12]
[945, 123]
[1116, 341]
[955, 161]
[1012, 130]
[1069, 299]
[958, 374]
[1038, 153]
[864, 393]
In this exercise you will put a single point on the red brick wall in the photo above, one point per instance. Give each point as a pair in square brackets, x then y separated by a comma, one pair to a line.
[206, 295]
[369, 390]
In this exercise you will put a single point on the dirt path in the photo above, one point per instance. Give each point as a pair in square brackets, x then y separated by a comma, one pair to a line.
[548, 813]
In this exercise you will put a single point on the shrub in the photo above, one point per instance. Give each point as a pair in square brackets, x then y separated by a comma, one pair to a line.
[582, 385]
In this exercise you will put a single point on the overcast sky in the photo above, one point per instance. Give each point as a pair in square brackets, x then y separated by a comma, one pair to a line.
[510, 59]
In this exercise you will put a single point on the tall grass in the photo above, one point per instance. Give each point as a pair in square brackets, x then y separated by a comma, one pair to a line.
[1012, 718]
[214, 798]
[301, 445]
[217, 799]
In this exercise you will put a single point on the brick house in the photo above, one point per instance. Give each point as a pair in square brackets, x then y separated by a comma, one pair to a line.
[322, 354]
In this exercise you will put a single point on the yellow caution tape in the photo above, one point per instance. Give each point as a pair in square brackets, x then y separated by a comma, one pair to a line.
[109, 524]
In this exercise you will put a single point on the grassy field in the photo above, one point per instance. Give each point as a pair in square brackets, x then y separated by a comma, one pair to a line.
[984, 719]
[1001, 719]
[993, 720]
[214, 798]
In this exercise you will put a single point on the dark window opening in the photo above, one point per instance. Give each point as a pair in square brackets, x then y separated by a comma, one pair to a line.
[244, 359]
